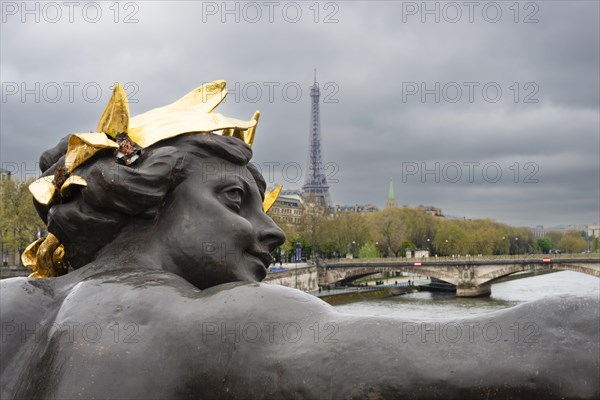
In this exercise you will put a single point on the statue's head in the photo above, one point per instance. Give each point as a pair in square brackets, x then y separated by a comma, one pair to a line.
[190, 201]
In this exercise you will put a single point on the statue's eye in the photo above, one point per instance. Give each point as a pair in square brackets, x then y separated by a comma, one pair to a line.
[234, 197]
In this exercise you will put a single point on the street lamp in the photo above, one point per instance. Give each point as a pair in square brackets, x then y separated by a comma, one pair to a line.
[298, 252]
[298, 257]
[313, 221]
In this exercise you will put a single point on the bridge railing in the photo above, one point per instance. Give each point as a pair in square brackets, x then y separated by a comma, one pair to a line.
[516, 257]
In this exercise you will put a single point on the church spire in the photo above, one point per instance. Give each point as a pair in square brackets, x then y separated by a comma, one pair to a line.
[391, 200]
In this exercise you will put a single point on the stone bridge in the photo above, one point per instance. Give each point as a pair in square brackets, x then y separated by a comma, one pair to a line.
[471, 277]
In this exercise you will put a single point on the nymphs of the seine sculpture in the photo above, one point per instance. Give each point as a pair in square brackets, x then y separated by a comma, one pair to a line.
[148, 287]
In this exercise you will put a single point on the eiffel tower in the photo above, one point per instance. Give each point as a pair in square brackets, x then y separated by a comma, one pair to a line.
[315, 189]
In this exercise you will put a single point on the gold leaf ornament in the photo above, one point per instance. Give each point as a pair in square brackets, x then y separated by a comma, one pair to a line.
[191, 113]
[45, 257]
[115, 118]
[270, 197]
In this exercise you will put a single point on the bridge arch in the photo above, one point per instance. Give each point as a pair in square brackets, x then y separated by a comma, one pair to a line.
[507, 270]
[335, 274]
[581, 268]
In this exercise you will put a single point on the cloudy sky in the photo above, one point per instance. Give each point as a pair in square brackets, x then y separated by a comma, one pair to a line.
[484, 109]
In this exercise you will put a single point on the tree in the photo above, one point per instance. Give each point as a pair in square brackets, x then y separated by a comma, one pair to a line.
[368, 250]
[555, 236]
[418, 226]
[450, 237]
[19, 221]
[545, 244]
[595, 244]
[572, 242]
[387, 229]
[405, 246]
[343, 232]
[291, 238]
[487, 237]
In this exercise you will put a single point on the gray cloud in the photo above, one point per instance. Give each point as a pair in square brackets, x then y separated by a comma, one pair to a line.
[369, 57]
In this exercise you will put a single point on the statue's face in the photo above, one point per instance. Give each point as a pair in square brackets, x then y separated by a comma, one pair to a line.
[214, 227]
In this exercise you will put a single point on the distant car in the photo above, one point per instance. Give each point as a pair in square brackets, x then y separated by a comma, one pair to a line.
[586, 252]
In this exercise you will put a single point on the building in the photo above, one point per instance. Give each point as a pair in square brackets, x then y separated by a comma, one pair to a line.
[288, 210]
[357, 208]
[417, 253]
[391, 200]
[593, 231]
[431, 210]
[538, 231]
[566, 228]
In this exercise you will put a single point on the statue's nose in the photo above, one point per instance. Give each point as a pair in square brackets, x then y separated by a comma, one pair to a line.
[269, 233]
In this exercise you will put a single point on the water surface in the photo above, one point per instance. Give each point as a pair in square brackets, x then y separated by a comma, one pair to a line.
[432, 306]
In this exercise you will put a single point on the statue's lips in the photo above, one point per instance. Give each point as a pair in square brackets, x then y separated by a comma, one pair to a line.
[262, 256]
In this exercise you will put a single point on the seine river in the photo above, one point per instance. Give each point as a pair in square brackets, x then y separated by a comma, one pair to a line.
[432, 306]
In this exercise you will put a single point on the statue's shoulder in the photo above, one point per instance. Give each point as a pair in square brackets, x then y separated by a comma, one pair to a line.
[25, 306]
[141, 296]
[159, 296]
[184, 339]
[25, 296]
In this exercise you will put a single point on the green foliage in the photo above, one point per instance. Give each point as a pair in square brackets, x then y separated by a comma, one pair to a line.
[368, 250]
[545, 244]
[19, 221]
[595, 244]
[291, 237]
[572, 242]
[450, 237]
[406, 245]
[388, 232]
[387, 229]
[343, 233]
[555, 236]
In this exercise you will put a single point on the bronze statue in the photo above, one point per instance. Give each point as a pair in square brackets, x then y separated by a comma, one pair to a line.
[149, 287]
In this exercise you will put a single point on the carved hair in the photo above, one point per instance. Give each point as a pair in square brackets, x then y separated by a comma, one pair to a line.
[92, 216]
